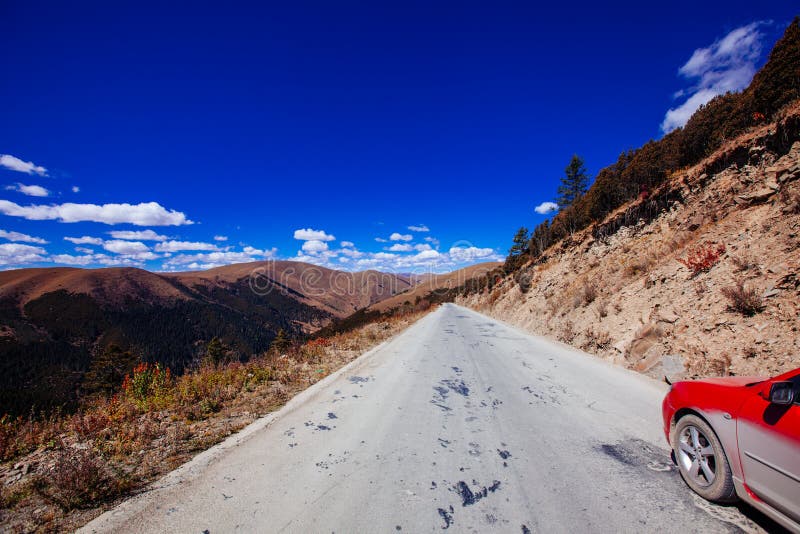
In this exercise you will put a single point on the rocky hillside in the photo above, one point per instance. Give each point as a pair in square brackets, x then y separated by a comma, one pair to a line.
[701, 277]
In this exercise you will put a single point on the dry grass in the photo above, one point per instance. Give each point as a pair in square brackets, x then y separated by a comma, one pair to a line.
[602, 308]
[589, 293]
[637, 266]
[65, 466]
[750, 352]
[700, 288]
[78, 478]
[744, 261]
[597, 340]
[567, 333]
[742, 299]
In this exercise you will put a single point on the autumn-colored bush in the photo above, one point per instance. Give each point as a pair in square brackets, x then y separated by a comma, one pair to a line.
[79, 477]
[742, 299]
[319, 342]
[20, 435]
[703, 257]
[149, 383]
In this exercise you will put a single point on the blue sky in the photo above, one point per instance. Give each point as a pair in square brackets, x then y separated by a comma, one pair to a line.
[404, 136]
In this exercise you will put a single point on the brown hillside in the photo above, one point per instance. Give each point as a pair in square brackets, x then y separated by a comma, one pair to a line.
[337, 292]
[425, 284]
[110, 285]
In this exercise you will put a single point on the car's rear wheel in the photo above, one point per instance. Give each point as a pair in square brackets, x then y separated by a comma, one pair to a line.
[701, 460]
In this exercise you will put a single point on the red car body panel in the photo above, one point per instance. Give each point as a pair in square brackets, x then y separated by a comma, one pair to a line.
[761, 440]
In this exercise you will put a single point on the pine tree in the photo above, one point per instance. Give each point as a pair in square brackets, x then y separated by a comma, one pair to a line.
[573, 184]
[108, 369]
[520, 242]
[541, 239]
[215, 351]
[281, 342]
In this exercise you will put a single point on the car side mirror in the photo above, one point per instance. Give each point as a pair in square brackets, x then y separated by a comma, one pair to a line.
[781, 393]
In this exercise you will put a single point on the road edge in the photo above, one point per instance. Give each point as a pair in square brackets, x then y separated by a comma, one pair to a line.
[193, 468]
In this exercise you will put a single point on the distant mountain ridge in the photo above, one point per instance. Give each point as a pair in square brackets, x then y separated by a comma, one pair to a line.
[336, 292]
[55, 322]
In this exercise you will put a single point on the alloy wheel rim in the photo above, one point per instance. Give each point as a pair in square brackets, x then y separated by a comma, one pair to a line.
[696, 456]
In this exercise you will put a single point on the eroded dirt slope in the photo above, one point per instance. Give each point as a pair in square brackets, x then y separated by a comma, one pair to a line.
[623, 294]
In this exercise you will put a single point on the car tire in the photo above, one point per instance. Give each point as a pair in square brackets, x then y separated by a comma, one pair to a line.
[701, 460]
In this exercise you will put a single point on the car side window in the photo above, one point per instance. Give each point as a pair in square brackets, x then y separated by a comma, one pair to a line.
[796, 381]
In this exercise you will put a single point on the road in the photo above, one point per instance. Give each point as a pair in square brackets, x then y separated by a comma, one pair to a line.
[461, 424]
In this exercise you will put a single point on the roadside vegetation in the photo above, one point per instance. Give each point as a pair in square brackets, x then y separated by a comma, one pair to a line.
[60, 470]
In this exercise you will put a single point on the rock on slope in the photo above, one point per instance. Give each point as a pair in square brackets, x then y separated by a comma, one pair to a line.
[623, 294]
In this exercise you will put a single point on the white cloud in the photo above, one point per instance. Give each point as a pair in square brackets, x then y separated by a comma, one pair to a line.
[366, 263]
[177, 246]
[135, 260]
[119, 246]
[348, 244]
[76, 189]
[25, 238]
[140, 256]
[307, 234]
[400, 237]
[381, 240]
[70, 259]
[220, 238]
[85, 250]
[397, 247]
[143, 214]
[420, 228]
[546, 207]
[16, 254]
[252, 251]
[30, 190]
[422, 247]
[138, 235]
[314, 246]
[426, 255]
[15, 164]
[726, 65]
[466, 254]
[351, 252]
[433, 241]
[85, 240]
[216, 259]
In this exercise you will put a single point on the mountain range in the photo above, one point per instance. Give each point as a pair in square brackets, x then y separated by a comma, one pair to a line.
[54, 322]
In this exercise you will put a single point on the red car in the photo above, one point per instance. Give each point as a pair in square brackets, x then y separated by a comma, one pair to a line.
[739, 438]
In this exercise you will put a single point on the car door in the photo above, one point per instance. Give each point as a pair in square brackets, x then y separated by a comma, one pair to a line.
[769, 448]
